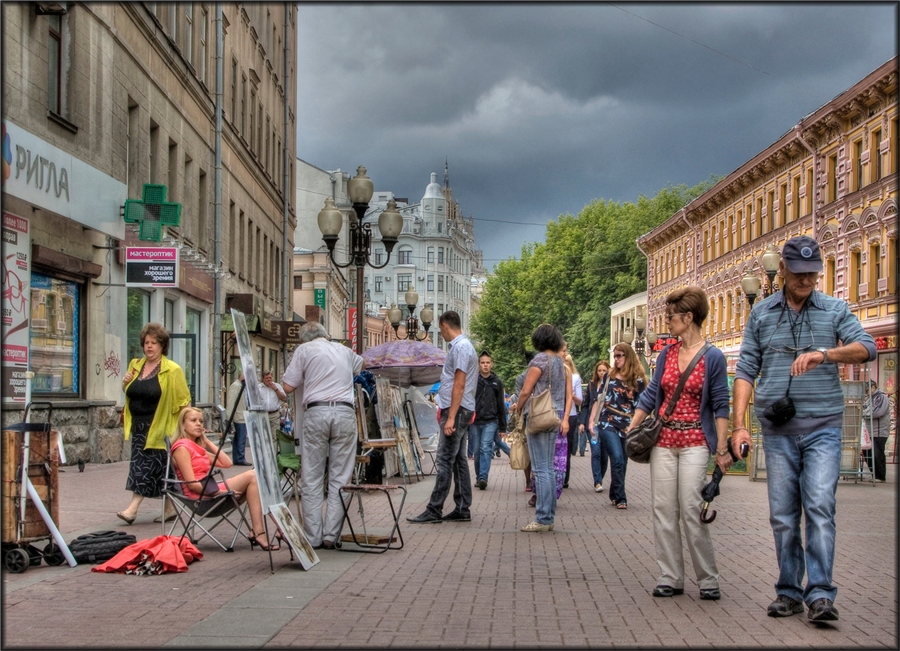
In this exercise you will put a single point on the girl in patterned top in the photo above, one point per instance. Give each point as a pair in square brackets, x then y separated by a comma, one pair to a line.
[626, 382]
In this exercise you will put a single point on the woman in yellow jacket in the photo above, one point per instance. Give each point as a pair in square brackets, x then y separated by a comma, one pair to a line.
[155, 391]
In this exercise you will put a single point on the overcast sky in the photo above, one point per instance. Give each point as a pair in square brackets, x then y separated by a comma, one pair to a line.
[542, 108]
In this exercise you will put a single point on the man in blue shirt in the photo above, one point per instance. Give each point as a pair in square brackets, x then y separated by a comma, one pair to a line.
[456, 407]
[792, 342]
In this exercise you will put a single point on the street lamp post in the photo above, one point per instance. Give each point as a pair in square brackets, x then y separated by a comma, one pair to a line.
[412, 323]
[390, 223]
[643, 344]
[751, 284]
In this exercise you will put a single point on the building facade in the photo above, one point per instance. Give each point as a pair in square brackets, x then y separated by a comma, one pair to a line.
[833, 177]
[101, 99]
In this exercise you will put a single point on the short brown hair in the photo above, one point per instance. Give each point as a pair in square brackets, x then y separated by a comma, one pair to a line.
[690, 300]
[158, 332]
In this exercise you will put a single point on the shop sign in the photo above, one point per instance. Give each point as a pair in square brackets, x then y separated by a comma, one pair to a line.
[16, 306]
[151, 266]
[50, 178]
[351, 326]
[319, 297]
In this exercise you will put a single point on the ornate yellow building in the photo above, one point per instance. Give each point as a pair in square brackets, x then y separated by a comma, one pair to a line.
[833, 177]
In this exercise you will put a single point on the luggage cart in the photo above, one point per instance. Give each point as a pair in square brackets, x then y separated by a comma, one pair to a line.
[31, 495]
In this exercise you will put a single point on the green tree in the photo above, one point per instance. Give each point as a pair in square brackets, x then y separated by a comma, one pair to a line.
[585, 264]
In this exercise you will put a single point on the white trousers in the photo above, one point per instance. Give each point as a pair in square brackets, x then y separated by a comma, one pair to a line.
[677, 475]
[329, 435]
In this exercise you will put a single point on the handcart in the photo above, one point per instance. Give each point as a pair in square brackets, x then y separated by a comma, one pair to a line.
[31, 495]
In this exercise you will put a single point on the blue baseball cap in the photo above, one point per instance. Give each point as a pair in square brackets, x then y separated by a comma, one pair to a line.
[801, 255]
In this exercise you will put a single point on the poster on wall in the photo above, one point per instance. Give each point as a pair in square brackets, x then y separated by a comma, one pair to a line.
[260, 435]
[16, 306]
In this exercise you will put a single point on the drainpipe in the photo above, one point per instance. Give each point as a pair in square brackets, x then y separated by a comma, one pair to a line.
[217, 208]
[815, 220]
[286, 247]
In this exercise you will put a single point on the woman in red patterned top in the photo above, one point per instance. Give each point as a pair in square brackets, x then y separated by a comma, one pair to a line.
[193, 454]
[698, 425]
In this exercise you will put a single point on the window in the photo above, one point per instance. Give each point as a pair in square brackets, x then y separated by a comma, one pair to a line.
[440, 255]
[876, 155]
[154, 154]
[771, 207]
[832, 177]
[858, 164]
[233, 230]
[242, 124]
[404, 281]
[810, 191]
[203, 238]
[404, 256]
[874, 268]
[138, 316]
[252, 120]
[189, 33]
[855, 275]
[795, 198]
[204, 35]
[55, 326]
[782, 205]
[173, 172]
[830, 276]
[430, 285]
[430, 255]
[379, 283]
[298, 282]
[379, 254]
[173, 22]
[893, 267]
[440, 282]
[55, 65]
[234, 74]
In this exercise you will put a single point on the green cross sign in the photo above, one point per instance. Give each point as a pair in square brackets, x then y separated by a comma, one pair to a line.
[153, 212]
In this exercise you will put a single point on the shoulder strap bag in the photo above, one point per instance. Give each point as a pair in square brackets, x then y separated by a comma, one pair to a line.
[542, 415]
[601, 401]
[640, 441]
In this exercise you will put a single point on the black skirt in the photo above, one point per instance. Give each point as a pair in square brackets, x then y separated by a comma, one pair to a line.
[147, 467]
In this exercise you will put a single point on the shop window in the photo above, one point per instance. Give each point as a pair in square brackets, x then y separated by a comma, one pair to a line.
[54, 339]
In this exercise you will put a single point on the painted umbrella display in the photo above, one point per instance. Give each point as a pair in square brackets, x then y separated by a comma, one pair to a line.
[405, 362]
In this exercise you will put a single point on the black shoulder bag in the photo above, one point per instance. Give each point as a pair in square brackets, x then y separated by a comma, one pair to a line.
[640, 441]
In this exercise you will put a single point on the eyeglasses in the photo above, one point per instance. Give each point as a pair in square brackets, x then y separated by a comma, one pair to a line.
[619, 356]
[671, 314]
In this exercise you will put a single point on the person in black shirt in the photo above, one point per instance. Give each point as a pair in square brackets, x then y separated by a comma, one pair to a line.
[490, 417]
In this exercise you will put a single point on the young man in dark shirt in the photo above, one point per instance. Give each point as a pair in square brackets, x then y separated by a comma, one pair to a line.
[490, 417]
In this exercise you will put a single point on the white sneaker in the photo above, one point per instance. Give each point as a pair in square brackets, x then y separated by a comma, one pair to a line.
[598, 488]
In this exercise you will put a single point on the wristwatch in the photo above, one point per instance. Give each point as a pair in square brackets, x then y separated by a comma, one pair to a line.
[824, 352]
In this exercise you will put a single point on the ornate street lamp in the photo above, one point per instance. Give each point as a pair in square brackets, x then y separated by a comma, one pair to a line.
[643, 345]
[390, 223]
[412, 323]
[751, 283]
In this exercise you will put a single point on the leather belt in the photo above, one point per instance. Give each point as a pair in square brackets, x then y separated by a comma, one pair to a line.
[329, 403]
[682, 425]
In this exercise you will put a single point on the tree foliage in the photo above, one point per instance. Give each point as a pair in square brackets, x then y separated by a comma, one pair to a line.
[585, 264]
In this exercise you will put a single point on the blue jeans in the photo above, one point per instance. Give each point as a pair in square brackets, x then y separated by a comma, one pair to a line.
[499, 443]
[802, 474]
[615, 448]
[582, 442]
[239, 443]
[483, 436]
[542, 448]
[451, 463]
[599, 460]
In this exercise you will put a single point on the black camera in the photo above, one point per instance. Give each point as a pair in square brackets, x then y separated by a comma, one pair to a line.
[780, 411]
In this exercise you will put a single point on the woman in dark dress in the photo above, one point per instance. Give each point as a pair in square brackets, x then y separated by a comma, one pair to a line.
[155, 391]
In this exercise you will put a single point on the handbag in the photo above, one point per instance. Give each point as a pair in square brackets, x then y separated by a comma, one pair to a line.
[640, 441]
[519, 459]
[601, 397]
[542, 417]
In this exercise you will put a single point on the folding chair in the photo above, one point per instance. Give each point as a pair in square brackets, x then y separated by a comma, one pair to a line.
[192, 514]
[288, 466]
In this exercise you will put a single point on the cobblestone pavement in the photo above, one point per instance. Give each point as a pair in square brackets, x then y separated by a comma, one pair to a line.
[477, 584]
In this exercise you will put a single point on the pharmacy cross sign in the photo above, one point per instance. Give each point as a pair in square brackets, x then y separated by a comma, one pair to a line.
[153, 212]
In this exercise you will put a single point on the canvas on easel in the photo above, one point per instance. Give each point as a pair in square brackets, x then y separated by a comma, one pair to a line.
[259, 433]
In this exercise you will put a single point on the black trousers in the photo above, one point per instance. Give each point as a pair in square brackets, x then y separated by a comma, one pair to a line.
[571, 437]
[878, 443]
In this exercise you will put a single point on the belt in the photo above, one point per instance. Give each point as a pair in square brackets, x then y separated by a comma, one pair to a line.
[329, 403]
[682, 425]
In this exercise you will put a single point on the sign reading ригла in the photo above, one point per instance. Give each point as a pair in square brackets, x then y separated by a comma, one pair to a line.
[151, 266]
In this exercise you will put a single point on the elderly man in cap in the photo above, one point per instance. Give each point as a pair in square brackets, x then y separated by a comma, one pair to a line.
[792, 342]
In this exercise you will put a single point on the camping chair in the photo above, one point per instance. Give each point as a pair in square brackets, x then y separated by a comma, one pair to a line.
[288, 466]
[192, 514]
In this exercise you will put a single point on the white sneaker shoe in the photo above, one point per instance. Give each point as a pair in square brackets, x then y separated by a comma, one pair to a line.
[598, 488]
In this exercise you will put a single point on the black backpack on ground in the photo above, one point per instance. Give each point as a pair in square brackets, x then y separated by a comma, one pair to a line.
[100, 546]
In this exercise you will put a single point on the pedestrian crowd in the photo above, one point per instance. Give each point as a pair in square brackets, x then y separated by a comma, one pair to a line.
[791, 345]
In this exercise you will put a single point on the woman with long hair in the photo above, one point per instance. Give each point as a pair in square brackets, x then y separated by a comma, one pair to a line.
[626, 382]
[193, 455]
[599, 456]
[545, 371]
[678, 462]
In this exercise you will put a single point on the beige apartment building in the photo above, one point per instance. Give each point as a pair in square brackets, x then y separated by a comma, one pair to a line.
[833, 176]
[100, 99]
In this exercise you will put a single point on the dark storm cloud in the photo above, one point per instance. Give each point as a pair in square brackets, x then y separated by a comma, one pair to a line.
[542, 108]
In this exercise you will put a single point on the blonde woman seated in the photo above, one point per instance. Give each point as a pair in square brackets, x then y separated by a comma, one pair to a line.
[193, 454]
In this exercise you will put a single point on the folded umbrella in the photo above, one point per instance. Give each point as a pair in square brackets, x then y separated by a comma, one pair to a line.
[153, 556]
